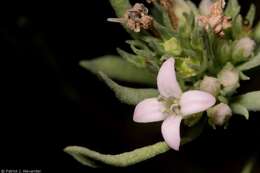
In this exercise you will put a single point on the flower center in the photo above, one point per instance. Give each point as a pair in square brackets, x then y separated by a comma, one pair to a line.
[171, 104]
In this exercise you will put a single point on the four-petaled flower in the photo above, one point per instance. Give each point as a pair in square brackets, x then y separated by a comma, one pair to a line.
[172, 105]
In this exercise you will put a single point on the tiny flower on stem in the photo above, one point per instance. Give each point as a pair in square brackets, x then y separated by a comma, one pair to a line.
[172, 106]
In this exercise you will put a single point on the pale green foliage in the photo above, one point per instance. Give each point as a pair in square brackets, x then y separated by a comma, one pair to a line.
[89, 157]
[251, 15]
[120, 6]
[240, 110]
[128, 95]
[198, 53]
[232, 9]
[117, 68]
[252, 63]
[251, 101]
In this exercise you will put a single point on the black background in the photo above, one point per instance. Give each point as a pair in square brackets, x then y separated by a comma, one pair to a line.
[49, 102]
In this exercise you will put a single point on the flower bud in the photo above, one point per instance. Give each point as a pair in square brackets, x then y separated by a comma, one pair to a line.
[243, 49]
[205, 6]
[219, 114]
[210, 85]
[229, 78]
[173, 47]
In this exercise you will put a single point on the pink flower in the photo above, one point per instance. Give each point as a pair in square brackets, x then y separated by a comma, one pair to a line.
[172, 106]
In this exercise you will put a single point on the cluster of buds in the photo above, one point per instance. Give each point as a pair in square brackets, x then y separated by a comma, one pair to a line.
[216, 19]
[136, 18]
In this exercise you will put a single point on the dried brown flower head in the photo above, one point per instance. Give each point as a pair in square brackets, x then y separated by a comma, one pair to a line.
[216, 19]
[136, 18]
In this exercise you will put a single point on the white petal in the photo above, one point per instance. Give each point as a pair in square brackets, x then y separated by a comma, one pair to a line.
[195, 101]
[166, 80]
[171, 131]
[149, 110]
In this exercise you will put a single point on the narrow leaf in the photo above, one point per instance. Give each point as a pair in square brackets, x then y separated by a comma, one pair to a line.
[128, 95]
[119, 160]
[233, 8]
[251, 101]
[251, 15]
[240, 110]
[252, 63]
[120, 6]
[119, 69]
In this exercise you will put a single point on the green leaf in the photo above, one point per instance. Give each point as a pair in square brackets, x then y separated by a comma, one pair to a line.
[88, 157]
[242, 76]
[119, 69]
[164, 32]
[252, 63]
[128, 95]
[251, 15]
[120, 6]
[240, 110]
[139, 48]
[155, 44]
[233, 8]
[237, 27]
[136, 60]
[251, 101]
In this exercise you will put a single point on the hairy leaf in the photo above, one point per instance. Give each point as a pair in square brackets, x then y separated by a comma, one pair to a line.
[119, 69]
[252, 63]
[88, 157]
[240, 110]
[251, 101]
[128, 95]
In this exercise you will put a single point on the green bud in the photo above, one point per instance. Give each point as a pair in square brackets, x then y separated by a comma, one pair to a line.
[229, 78]
[243, 49]
[210, 85]
[172, 46]
[219, 114]
[187, 67]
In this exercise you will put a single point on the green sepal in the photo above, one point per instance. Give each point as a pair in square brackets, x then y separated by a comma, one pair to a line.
[119, 69]
[251, 101]
[89, 157]
[128, 95]
[240, 110]
[193, 119]
[251, 15]
[252, 63]
[189, 134]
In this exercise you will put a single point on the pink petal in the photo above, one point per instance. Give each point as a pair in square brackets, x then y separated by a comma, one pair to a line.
[166, 80]
[171, 131]
[149, 110]
[195, 101]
